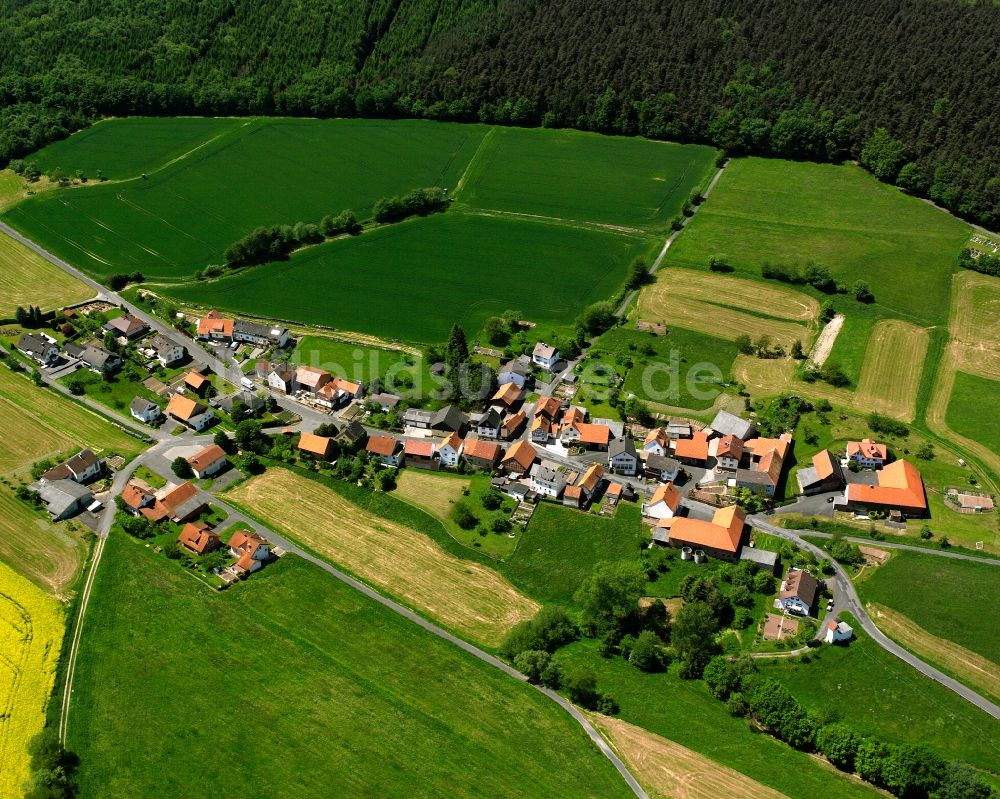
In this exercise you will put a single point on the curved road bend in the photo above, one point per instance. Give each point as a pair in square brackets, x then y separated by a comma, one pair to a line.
[847, 599]
[288, 546]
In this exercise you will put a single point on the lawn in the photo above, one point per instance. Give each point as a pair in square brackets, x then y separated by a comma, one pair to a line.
[414, 280]
[683, 368]
[360, 363]
[467, 597]
[578, 176]
[971, 397]
[26, 441]
[126, 148]
[791, 212]
[333, 694]
[683, 711]
[28, 279]
[878, 694]
[116, 393]
[31, 631]
[261, 172]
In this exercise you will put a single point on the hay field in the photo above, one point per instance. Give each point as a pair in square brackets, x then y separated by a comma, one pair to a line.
[668, 770]
[974, 670]
[28, 279]
[435, 493]
[719, 305]
[467, 597]
[894, 362]
[31, 631]
[26, 439]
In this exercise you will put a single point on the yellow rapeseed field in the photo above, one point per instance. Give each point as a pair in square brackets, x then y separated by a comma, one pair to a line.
[31, 631]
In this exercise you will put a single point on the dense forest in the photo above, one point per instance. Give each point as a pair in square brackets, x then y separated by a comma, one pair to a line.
[910, 88]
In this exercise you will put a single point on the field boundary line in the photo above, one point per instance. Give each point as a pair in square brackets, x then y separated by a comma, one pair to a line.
[581, 224]
[483, 145]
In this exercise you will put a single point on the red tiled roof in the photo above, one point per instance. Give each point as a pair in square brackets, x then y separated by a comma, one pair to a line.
[667, 493]
[723, 532]
[899, 486]
[694, 448]
[482, 450]
[382, 445]
[418, 448]
[184, 408]
[867, 448]
[522, 453]
[314, 444]
[212, 324]
[594, 433]
[208, 456]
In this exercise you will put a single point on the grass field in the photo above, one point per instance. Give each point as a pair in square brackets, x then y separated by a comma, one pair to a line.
[971, 396]
[666, 769]
[31, 631]
[300, 686]
[466, 597]
[259, 172]
[792, 212]
[359, 362]
[894, 361]
[566, 174]
[126, 148]
[28, 279]
[26, 441]
[414, 280]
[877, 694]
[726, 306]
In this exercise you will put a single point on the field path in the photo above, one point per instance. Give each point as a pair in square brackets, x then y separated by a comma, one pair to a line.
[476, 157]
[827, 337]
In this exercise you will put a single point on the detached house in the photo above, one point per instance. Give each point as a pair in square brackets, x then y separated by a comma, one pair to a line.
[545, 355]
[867, 454]
[488, 424]
[450, 450]
[622, 457]
[388, 450]
[197, 382]
[585, 488]
[250, 551]
[38, 347]
[798, 592]
[81, 468]
[168, 352]
[95, 357]
[662, 468]
[208, 462]
[214, 327]
[338, 393]
[507, 396]
[310, 379]
[664, 503]
[515, 371]
[728, 452]
[179, 504]
[128, 326]
[191, 413]
[318, 446]
[199, 538]
[656, 441]
[547, 479]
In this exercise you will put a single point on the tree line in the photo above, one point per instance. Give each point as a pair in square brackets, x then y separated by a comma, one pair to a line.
[906, 87]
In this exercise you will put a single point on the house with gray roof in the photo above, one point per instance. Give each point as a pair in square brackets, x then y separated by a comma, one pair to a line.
[622, 456]
[145, 410]
[38, 347]
[83, 466]
[62, 498]
[168, 352]
[729, 424]
[259, 333]
[95, 357]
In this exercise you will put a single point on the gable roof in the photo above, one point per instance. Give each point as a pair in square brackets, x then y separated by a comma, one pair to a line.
[508, 394]
[620, 446]
[547, 406]
[658, 436]
[135, 497]
[420, 448]
[591, 477]
[867, 449]
[726, 423]
[667, 493]
[448, 418]
[197, 536]
[662, 462]
[127, 325]
[826, 465]
[143, 405]
[800, 585]
[899, 486]
[311, 376]
[543, 350]
[729, 446]
[79, 463]
[207, 456]
[724, 532]
[184, 408]
[160, 342]
[212, 324]
[384, 446]
[522, 453]
[246, 542]
[452, 440]
[514, 421]
[482, 450]
[596, 434]
[695, 448]
[314, 444]
[178, 496]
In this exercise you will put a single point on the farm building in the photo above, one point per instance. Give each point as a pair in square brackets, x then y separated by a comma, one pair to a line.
[519, 458]
[899, 490]
[420, 454]
[590, 481]
[722, 537]
[587, 435]
[838, 631]
[867, 454]
[317, 446]
[210, 461]
[513, 425]
[310, 379]
[63, 498]
[482, 454]
[825, 474]
[729, 424]
[728, 452]
[798, 592]
[764, 559]
[507, 396]
[692, 451]
[448, 419]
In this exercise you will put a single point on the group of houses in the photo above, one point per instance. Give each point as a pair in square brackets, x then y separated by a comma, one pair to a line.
[64, 490]
[308, 383]
[250, 550]
[214, 327]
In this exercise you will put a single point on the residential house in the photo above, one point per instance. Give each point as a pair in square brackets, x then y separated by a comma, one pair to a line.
[352, 435]
[767, 463]
[179, 503]
[899, 491]
[310, 379]
[664, 504]
[662, 468]
[450, 450]
[481, 454]
[798, 592]
[250, 551]
[318, 446]
[260, 334]
[191, 413]
[385, 402]
[549, 408]
[824, 475]
[338, 393]
[241, 405]
[622, 457]
[656, 442]
[81, 468]
[547, 479]
[38, 347]
[420, 453]
[196, 382]
[516, 371]
[487, 424]
[518, 459]
[867, 454]
[728, 452]
[281, 378]
[199, 538]
[837, 631]
[507, 396]
[62, 497]
[545, 355]
[388, 450]
[513, 425]
[168, 352]
[692, 451]
[573, 497]
[128, 326]
[215, 327]
[541, 429]
[208, 462]
[139, 499]
[722, 537]
[96, 358]
[589, 482]
[729, 424]
[586, 435]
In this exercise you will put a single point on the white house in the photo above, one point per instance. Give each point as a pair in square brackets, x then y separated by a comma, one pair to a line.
[545, 355]
[281, 379]
[656, 441]
[168, 352]
[387, 449]
[257, 333]
[451, 450]
[193, 414]
[208, 462]
[798, 592]
[250, 551]
[515, 371]
[837, 630]
[664, 503]
[728, 452]
[81, 468]
[38, 347]
[867, 454]
[622, 457]
[488, 424]
[547, 479]
[145, 410]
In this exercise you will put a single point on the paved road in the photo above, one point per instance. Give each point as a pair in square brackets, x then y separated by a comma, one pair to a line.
[941, 553]
[846, 598]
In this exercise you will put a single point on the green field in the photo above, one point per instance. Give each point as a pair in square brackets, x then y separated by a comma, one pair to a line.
[942, 595]
[355, 361]
[126, 148]
[571, 175]
[239, 691]
[667, 369]
[263, 172]
[416, 279]
[878, 694]
[790, 212]
[971, 398]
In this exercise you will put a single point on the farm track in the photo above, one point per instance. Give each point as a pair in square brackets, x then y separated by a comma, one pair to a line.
[826, 339]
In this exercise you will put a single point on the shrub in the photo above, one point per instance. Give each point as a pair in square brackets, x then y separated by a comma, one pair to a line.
[463, 516]
[646, 652]
[180, 467]
[532, 663]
